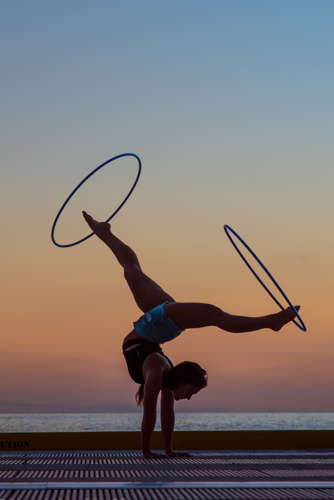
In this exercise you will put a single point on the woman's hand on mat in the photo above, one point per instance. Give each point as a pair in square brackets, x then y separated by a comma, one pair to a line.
[175, 454]
[155, 455]
[171, 454]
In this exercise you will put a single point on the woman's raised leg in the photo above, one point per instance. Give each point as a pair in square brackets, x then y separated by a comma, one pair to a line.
[146, 292]
[149, 294]
[197, 315]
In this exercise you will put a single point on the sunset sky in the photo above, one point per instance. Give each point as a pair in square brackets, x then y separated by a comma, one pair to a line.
[230, 107]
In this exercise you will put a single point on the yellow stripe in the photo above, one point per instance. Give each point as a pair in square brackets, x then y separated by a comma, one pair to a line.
[182, 440]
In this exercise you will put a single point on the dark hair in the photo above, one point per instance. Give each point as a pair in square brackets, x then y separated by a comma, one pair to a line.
[186, 372]
[140, 395]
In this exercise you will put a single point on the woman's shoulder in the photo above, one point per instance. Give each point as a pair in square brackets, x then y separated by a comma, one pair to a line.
[156, 364]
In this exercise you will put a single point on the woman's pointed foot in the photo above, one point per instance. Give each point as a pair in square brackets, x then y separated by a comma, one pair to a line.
[282, 318]
[99, 228]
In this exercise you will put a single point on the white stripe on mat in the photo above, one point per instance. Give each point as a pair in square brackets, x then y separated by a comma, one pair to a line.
[169, 485]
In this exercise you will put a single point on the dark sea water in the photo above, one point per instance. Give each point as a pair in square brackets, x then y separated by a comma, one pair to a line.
[94, 422]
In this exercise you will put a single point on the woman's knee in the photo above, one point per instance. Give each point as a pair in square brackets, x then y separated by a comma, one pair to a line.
[213, 312]
[132, 272]
[208, 315]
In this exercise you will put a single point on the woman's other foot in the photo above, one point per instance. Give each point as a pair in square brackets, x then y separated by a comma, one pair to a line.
[99, 228]
[282, 318]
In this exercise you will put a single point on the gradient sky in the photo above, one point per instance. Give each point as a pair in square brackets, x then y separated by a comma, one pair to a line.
[230, 106]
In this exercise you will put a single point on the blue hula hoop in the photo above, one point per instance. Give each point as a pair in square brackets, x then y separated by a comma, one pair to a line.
[229, 229]
[80, 184]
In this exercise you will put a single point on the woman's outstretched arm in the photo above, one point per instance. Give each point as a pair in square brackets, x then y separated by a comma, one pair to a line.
[152, 387]
[167, 423]
[167, 419]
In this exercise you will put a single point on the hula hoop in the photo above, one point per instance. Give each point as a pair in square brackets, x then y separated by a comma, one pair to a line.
[227, 229]
[80, 184]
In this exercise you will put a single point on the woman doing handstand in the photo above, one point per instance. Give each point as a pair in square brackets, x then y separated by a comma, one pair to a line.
[163, 320]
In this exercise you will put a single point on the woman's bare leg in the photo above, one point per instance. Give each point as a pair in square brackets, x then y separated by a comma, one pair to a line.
[146, 292]
[194, 315]
[149, 294]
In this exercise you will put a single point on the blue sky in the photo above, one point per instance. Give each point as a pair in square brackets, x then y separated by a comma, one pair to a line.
[244, 88]
[242, 78]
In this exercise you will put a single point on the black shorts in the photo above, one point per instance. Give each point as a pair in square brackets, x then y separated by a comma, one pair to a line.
[135, 357]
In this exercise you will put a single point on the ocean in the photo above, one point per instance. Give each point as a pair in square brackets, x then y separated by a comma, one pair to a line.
[97, 422]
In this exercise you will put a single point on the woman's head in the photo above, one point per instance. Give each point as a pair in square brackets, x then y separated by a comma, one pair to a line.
[185, 391]
[186, 379]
